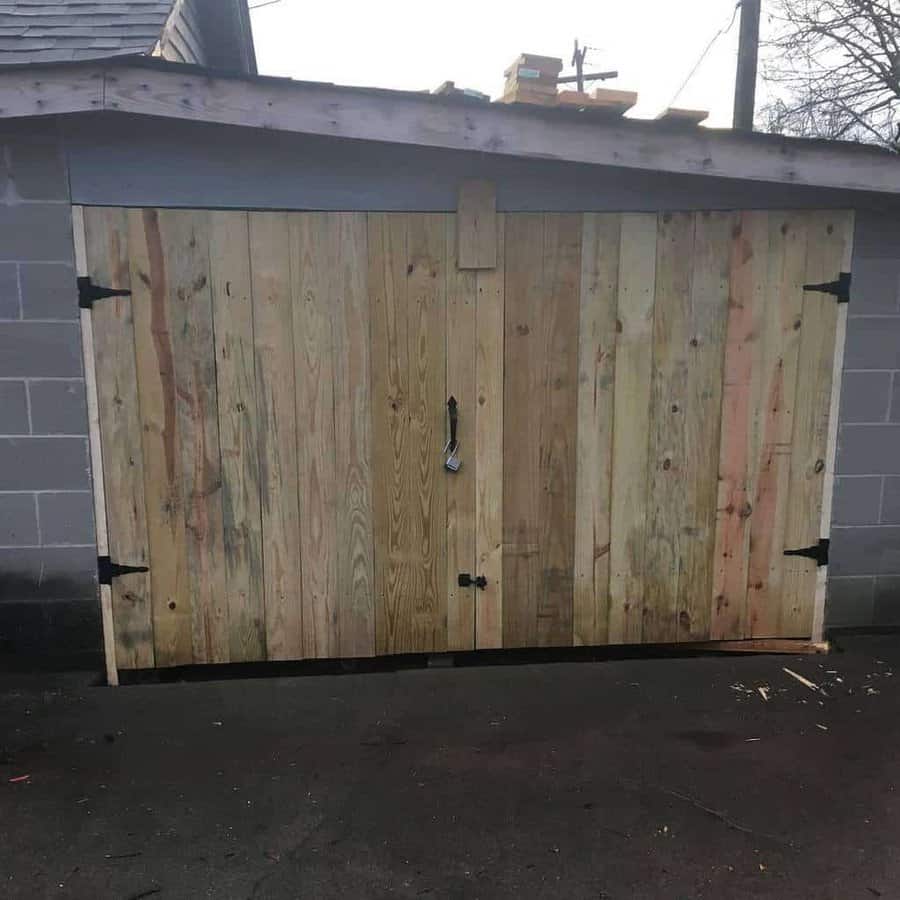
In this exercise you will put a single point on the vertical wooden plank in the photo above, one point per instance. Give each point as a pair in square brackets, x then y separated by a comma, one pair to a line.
[186, 240]
[461, 375]
[353, 439]
[702, 420]
[634, 357]
[596, 378]
[113, 362]
[488, 456]
[161, 446]
[558, 427]
[392, 499]
[826, 241]
[667, 464]
[779, 359]
[476, 224]
[277, 433]
[427, 317]
[238, 421]
[738, 459]
[524, 295]
[315, 255]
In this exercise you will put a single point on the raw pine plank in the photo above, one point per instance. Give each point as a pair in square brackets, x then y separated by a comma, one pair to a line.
[461, 366]
[780, 353]
[596, 379]
[315, 256]
[667, 464]
[741, 412]
[557, 398]
[392, 462]
[702, 418]
[277, 433]
[186, 239]
[238, 422]
[426, 299]
[488, 456]
[161, 445]
[476, 225]
[634, 357]
[106, 232]
[828, 236]
[353, 439]
[524, 297]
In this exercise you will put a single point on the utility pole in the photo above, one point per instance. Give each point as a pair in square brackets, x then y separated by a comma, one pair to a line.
[579, 78]
[748, 53]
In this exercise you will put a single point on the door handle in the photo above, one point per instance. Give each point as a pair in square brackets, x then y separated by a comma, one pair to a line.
[451, 448]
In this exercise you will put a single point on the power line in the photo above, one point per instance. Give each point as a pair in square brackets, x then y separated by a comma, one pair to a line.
[265, 3]
[709, 46]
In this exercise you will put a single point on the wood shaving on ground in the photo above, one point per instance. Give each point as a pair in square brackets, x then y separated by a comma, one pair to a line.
[764, 693]
[752, 740]
[804, 681]
[823, 727]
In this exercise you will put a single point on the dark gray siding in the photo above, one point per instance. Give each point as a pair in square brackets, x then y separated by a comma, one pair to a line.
[48, 604]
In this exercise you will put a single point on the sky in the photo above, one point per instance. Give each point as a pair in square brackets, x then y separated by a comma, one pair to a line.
[417, 44]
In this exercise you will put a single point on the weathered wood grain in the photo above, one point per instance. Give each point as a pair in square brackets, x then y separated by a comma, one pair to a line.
[232, 303]
[186, 243]
[314, 264]
[596, 378]
[277, 433]
[476, 224]
[461, 376]
[161, 444]
[631, 430]
[489, 368]
[740, 413]
[106, 250]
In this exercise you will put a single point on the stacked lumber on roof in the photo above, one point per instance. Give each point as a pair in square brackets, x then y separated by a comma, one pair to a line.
[532, 79]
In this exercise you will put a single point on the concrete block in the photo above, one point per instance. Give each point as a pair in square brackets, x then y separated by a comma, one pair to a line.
[62, 632]
[877, 234]
[48, 573]
[895, 399]
[876, 286]
[890, 509]
[18, 520]
[868, 450]
[13, 408]
[865, 396]
[872, 343]
[857, 501]
[58, 407]
[48, 464]
[849, 602]
[49, 291]
[40, 350]
[865, 550]
[39, 232]
[37, 169]
[887, 601]
[10, 307]
[67, 518]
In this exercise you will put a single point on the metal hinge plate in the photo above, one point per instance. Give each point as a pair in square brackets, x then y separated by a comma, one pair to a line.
[818, 552]
[107, 570]
[466, 580]
[89, 293]
[839, 288]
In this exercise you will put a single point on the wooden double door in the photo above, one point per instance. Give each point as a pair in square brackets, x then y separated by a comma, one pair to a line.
[643, 416]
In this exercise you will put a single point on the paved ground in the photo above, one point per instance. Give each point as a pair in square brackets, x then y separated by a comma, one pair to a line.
[626, 779]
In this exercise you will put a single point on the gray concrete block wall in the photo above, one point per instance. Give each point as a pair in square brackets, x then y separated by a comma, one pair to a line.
[48, 595]
[864, 575]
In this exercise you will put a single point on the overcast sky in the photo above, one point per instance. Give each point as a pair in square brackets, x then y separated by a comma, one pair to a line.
[417, 44]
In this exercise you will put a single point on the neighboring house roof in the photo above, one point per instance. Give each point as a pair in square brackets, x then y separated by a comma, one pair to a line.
[154, 87]
[207, 32]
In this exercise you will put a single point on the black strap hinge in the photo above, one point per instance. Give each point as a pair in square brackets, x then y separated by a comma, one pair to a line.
[89, 293]
[839, 288]
[818, 552]
[466, 580]
[107, 570]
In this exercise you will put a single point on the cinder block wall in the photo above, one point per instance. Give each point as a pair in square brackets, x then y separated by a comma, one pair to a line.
[864, 587]
[48, 601]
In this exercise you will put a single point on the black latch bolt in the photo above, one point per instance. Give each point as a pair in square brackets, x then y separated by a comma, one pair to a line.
[466, 580]
[839, 288]
[89, 293]
[107, 570]
[818, 552]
